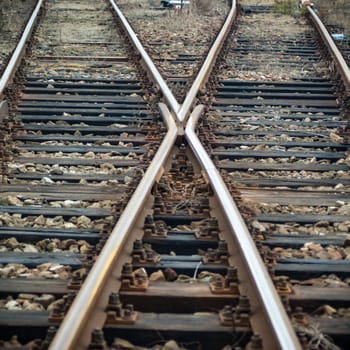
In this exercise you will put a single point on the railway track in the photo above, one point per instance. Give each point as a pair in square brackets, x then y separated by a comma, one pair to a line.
[279, 145]
[168, 36]
[12, 21]
[337, 25]
[83, 136]
[343, 43]
[118, 231]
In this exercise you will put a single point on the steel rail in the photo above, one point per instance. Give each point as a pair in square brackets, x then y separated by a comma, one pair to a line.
[156, 76]
[19, 51]
[69, 332]
[340, 62]
[208, 64]
[280, 323]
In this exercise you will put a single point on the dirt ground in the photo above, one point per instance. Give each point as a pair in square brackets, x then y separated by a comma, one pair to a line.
[13, 17]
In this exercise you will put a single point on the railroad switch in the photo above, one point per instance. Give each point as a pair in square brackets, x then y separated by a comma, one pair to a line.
[226, 285]
[133, 281]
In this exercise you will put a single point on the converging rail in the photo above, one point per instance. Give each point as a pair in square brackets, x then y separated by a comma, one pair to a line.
[74, 328]
[186, 193]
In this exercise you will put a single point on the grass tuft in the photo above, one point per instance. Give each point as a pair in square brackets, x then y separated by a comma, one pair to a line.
[284, 7]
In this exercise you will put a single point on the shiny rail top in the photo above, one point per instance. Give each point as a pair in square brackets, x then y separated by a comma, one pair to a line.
[69, 333]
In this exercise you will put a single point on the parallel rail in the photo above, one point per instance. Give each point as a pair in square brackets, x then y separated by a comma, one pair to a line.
[20, 50]
[207, 66]
[339, 60]
[78, 324]
[276, 314]
[73, 329]
[146, 60]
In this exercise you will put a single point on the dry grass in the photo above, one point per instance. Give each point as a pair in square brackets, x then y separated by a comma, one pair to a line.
[202, 6]
[256, 2]
[336, 12]
[191, 21]
[285, 7]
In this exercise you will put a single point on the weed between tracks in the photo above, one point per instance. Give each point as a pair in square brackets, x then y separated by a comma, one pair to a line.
[176, 21]
[285, 7]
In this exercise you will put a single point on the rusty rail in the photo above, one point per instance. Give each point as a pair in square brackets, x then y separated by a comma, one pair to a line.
[149, 65]
[183, 110]
[339, 60]
[76, 328]
[285, 337]
[19, 51]
[208, 64]
[74, 332]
